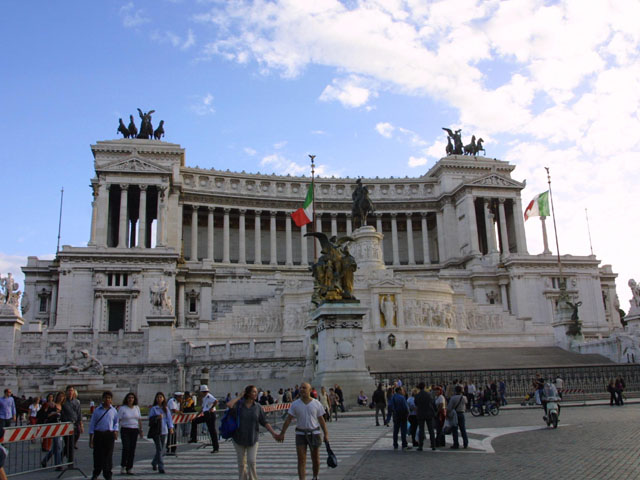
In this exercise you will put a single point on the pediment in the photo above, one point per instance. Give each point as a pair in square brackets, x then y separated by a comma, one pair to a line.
[134, 164]
[495, 180]
[387, 283]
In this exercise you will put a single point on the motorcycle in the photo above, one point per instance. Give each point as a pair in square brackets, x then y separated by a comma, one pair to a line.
[553, 405]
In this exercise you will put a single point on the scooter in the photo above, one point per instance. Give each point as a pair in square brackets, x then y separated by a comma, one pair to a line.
[553, 411]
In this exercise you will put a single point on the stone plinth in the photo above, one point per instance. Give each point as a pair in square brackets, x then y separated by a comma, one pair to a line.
[340, 349]
[561, 323]
[160, 344]
[367, 249]
[10, 326]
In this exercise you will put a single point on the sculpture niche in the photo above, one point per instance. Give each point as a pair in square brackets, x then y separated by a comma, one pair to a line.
[146, 127]
[457, 148]
[362, 204]
[333, 272]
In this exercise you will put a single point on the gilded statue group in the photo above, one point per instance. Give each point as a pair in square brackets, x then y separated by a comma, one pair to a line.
[456, 147]
[146, 128]
[333, 272]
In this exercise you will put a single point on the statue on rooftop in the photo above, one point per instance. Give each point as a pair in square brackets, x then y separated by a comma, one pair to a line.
[362, 204]
[456, 137]
[146, 128]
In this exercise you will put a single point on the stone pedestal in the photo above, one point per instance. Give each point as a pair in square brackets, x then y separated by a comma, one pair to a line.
[340, 349]
[367, 249]
[561, 324]
[10, 326]
[89, 386]
[160, 342]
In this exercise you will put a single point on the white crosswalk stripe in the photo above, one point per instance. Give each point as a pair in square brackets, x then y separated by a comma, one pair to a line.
[275, 461]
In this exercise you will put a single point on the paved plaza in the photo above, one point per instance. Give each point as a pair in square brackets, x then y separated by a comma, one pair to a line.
[594, 442]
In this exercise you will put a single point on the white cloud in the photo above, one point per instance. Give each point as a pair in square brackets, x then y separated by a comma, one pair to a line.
[280, 164]
[250, 151]
[132, 17]
[385, 129]
[280, 145]
[318, 132]
[417, 161]
[183, 43]
[350, 92]
[203, 105]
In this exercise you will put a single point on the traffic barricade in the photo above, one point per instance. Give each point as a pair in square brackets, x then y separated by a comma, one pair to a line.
[25, 455]
[182, 430]
[276, 411]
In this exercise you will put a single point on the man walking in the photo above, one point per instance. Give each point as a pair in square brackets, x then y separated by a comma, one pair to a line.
[208, 416]
[400, 410]
[103, 432]
[7, 409]
[71, 412]
[425, 413]
[380, 401]
[309, 415]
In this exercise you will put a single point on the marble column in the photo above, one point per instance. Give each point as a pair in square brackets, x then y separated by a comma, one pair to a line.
[440, 231]
[379, 230]
[489, 228]
[394, 238]
[180, 301]
[521, 239]
[503, 295]
[317, 246]
[194, 233]
[426, 255]
[160, 242]
[273, 256]
[94, 214]
[225, 237]
[411, 254]
[449, 229]
[334, 224]
[53, 314]
[242, 254]
[287, 241]
[349, 224]
[142, 218]
[210, 233]
[473, 226]
[122, 225]
[545, 240]
[257, 256]
[503, 227]
[304, 257]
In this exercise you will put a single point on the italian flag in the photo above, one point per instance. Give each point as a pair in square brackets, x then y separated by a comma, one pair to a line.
[304, 215]
[538, 207]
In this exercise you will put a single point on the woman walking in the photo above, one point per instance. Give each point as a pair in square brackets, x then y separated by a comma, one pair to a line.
[53, 412]
[130, 421]
[245, 438]
[324, 400]
[160, 425]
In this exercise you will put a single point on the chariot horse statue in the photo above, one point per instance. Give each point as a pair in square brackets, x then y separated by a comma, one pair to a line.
[362, 204]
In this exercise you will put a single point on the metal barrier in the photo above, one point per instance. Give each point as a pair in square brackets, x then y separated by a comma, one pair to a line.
[25, 454]
[275, 411]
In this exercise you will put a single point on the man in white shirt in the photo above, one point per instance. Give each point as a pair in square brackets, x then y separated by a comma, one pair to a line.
[208, 416]
[309, 414]
[174, 406]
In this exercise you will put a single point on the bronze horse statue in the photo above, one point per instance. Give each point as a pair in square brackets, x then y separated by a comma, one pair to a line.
[362, 204]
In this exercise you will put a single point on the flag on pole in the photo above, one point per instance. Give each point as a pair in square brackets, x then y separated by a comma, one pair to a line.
[304, 215]
[538, 207]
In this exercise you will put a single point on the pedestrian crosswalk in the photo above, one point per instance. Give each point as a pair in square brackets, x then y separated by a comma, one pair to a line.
[276, 461]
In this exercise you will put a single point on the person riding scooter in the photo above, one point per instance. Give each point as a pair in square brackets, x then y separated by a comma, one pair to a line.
[549, 393]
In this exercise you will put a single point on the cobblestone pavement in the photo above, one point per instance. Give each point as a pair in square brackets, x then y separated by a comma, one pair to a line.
[591, 443]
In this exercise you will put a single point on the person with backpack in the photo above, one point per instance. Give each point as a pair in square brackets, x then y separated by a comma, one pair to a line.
[425, 414]
[400, 411]
[456, 407]
[249, 416]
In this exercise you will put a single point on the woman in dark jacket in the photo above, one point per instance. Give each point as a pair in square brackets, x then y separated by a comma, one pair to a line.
[53, 412]
[245, 438]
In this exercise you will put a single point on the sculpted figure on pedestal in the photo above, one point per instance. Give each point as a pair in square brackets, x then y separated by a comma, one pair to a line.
[9, 292]
[84, 362]
[146, 128]
[362, 204]
[575, 328]
[160, 300]
[333, 272]
[635, 291]
[388, 309]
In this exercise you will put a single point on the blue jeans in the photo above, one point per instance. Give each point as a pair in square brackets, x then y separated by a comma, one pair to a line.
[463, 431]
[400, 423]
[55, 450]
[159, 442]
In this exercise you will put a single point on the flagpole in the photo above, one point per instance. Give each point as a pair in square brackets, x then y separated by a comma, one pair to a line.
[313, 203]
[555, 229]
[586, 214]
[60, 220]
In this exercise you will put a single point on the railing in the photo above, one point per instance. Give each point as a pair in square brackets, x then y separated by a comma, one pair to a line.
[276, 411]
[585, 380]
[182, 430]
[25, 454]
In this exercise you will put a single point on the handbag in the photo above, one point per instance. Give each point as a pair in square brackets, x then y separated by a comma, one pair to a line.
[448, 427]
[332, 460]
[229, 423]
[154, 426]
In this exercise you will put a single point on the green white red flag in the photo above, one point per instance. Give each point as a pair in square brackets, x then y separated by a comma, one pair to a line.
[538, 207]
[304, 215]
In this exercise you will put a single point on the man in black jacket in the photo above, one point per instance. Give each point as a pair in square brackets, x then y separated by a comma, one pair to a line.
[379, 399]
[425, 412]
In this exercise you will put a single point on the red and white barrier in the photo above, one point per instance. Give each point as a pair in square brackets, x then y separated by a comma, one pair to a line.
[276, 407]
[571, 390]
[33, 432]
[179, 418]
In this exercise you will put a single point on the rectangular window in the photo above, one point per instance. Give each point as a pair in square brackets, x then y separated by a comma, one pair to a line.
[117, 311]
[193, 306]
[43, 303]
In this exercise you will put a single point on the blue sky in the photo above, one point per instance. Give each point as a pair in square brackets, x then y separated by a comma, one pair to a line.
[364, 85]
